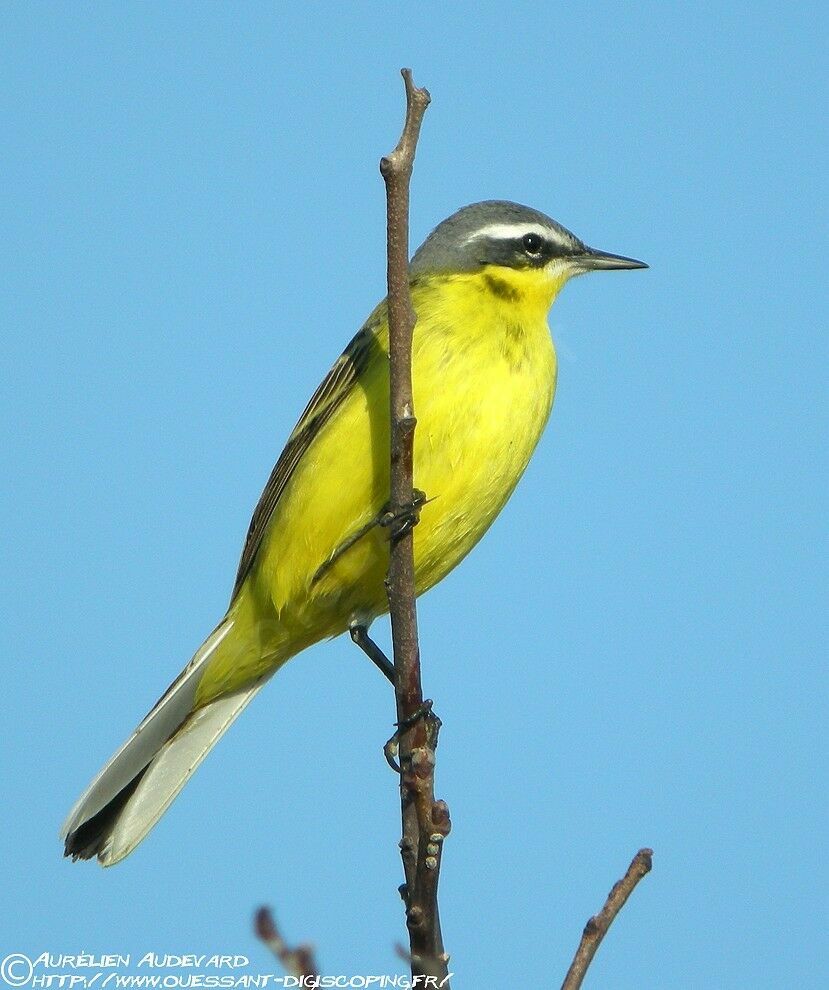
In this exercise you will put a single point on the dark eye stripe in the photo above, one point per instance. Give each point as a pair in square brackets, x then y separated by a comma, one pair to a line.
[531, 249]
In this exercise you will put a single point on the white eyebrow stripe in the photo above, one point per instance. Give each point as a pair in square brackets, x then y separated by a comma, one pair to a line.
[511, 231]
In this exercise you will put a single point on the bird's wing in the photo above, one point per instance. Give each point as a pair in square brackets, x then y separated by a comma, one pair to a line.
[335, 387]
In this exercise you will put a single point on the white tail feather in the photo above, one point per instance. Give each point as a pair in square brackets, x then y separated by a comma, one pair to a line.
[150, 736]
[170, 770]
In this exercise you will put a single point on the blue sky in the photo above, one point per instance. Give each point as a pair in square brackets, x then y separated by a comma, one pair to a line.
[193, 228]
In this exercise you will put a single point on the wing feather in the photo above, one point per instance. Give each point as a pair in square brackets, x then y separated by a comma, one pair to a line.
[331, 393]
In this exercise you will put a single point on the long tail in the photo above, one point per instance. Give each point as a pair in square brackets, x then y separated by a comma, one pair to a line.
[138, 784]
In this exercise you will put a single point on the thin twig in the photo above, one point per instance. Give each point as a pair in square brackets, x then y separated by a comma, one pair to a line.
[596, 928]
[425, 821]
[297, 962]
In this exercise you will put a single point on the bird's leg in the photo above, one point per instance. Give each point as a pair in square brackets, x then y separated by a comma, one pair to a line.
[341, 549]
[398, 522]
[359, 635]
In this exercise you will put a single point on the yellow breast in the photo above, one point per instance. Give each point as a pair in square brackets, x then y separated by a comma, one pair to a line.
[484, 374]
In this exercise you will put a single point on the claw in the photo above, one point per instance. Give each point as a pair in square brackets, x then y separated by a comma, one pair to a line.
[403, 518]
[433, 723]
[398, 522]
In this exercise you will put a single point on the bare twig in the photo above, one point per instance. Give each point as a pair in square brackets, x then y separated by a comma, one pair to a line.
[297, 962]
[425, 821]
[596, 928]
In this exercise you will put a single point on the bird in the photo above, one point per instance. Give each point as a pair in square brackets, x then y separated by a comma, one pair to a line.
[315, 556]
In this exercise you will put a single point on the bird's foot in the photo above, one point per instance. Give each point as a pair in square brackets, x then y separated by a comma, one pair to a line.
[432, 722]
[403, 518]
[398, 521]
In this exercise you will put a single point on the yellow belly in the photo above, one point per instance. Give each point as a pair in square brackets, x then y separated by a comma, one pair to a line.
[483, 389]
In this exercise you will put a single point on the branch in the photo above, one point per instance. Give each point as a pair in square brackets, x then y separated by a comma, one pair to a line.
[425, 821]
[596, 928]
[299, 961]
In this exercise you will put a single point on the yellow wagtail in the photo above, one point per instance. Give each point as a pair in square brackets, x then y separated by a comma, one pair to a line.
[313, 563]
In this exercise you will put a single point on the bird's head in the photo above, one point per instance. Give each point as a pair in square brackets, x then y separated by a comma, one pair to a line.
[519, 246]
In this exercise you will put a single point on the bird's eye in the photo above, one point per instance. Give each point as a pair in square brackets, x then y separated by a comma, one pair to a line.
[532, 244]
